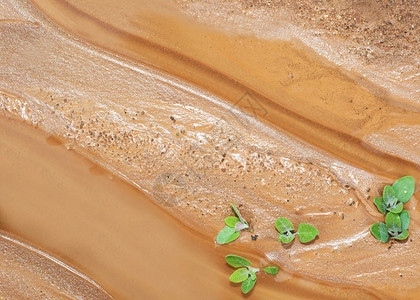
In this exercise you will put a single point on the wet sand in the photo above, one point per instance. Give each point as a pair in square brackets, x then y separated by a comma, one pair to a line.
[111, 231]
[28, 273]
[299, 91]
[93, 220]
[197, 129]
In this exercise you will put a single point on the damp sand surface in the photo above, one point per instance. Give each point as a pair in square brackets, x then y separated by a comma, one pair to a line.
[94, 220]
[111, 231]
[335, 110]
[28, 273]
[198, 129]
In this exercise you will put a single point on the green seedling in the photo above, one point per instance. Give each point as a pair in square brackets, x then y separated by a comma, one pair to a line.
[246, 274]
[395, 227]
[306, 232]
[391, 204]
[233, 227]
[396, 195]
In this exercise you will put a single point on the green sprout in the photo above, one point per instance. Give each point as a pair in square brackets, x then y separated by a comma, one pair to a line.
[305, 231]
[233, 228]
[396, 195]
[246, 274]
[395, 226]
[390, 204]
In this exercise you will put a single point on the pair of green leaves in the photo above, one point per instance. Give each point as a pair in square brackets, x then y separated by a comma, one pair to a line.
[233, 227]
[396, 195]
[390, 204]
[305, 231]
[246, 274]
[395, 226]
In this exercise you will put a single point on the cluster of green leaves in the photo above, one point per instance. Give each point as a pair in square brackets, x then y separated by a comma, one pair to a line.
[233, 227]
[396, 195]
[395, 226]
[246, 274]
[391, 204]
[305, 231]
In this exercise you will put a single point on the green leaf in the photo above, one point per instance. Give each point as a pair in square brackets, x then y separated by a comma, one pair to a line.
[402, 236]
[231, 221]
[238, 213]
[237, 261]
[284, 225]
[271, 270]
[253, 276]
[380, 204]
[227, 235]
[396, 209]
[404, 188]
[389, 196]
[239, 275]
[239, 226]
[393, 223]
[247, 285]
[284, 238]
[307, 232]
[405, 220]
[379, 231]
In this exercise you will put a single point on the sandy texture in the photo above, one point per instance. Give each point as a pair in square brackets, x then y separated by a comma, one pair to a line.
[111, 231]
[390, 28]
[280, 141]
[377, 38]
[28, 273]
